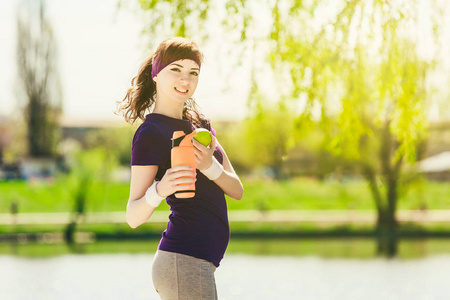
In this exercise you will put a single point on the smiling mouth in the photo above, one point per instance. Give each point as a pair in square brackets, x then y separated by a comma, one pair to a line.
[181, 91]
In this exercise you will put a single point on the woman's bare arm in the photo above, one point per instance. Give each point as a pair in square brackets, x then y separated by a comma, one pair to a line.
[228, 181]
[138, 210]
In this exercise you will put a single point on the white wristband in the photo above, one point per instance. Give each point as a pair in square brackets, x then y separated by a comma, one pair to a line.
[214, 171]
[152, 197]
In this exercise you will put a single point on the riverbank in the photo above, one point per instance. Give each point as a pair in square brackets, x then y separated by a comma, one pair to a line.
[51, 227]
[299, 207]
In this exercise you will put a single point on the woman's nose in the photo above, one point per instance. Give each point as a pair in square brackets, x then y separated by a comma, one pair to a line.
[184, 78]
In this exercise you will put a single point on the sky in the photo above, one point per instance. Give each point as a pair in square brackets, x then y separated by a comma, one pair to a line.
[100, 49]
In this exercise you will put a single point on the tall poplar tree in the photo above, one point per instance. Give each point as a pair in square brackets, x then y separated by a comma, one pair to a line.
[36, 63]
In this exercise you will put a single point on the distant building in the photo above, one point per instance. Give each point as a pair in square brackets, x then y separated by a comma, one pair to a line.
[73, 132]
[78, 129]
[436, 162]
[436, 167]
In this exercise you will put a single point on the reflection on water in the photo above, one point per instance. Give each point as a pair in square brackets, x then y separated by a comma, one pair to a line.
[252, 269]
[240, 276]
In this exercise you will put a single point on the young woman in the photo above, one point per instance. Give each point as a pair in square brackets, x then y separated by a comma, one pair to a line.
[197, 233]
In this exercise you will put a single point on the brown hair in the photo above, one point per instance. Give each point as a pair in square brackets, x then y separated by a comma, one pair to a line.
[141, 95]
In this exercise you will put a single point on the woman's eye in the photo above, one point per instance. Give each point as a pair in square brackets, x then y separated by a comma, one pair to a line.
[178, 70]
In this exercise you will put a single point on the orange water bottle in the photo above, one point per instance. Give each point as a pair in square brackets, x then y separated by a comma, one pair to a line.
[182, 153]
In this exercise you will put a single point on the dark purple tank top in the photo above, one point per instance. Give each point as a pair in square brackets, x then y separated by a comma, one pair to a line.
[197, 226]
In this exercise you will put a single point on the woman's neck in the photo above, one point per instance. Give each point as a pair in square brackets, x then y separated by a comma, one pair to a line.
[175, 113]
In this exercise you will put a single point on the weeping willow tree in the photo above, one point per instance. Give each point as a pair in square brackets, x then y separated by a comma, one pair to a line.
[356, 69]
[363, 70]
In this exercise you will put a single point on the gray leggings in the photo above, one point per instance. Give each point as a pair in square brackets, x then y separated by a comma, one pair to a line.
[182, 277]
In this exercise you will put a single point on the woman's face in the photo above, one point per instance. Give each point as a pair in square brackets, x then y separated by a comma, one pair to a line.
[178, 80]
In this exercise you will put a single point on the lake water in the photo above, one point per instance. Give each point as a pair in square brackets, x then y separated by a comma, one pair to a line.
[311, 275]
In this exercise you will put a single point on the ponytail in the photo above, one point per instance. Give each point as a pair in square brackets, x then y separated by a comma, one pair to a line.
[141, 95]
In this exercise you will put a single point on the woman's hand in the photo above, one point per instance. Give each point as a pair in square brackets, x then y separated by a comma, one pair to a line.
[172, 180]
[203, 154]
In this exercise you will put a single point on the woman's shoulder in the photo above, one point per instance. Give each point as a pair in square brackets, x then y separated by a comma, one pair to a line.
[147, 129]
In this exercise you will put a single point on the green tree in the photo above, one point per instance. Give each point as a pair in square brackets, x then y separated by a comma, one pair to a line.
[365, 60]
[117, 140]
[87, 166]
[266, 134]
[355, 66]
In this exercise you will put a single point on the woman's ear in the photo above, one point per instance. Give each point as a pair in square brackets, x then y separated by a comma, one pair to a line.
[155, 78]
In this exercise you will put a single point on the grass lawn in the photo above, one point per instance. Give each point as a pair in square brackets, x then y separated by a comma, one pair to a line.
[299, 193]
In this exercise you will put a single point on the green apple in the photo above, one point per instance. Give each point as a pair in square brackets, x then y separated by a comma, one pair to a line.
[203, 136]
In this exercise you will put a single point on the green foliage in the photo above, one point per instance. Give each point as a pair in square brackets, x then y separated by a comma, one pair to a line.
[231, 138]
[117, 141]
[175, 18]
[363, 59]
[262, 139]
[266, 135]
[96, 163]
[86, 168]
